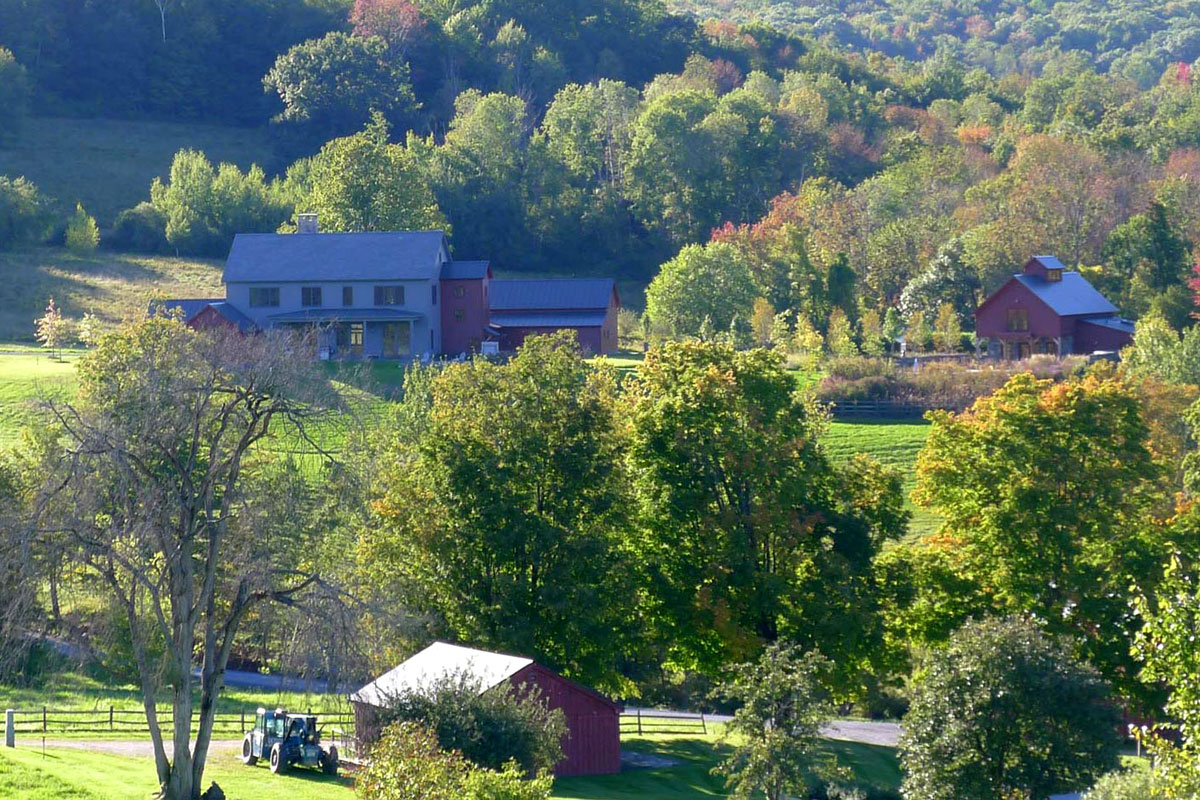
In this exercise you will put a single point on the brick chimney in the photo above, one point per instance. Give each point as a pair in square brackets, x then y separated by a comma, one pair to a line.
[306, 223]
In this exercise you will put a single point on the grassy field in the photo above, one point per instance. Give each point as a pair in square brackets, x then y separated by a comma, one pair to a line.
[27, 378]
[891, 442]
[26, 775]
[110, 285]
[108, 164]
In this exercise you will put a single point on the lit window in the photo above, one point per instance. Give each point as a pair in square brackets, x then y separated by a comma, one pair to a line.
[1054, 275]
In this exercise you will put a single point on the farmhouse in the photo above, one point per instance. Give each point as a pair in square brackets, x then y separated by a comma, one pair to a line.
[394, 294]
[1048, 309]
[593, 745]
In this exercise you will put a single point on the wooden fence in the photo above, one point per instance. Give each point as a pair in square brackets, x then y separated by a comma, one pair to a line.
[885, 409]
[50, 721]
[647, 721]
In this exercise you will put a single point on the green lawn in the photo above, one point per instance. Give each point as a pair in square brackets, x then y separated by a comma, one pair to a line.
[26, 775]
[111, 285]
[108, 164]
[26, 378]
[891, 442]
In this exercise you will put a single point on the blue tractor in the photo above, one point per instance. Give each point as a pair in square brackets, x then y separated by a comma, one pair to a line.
[287, 740]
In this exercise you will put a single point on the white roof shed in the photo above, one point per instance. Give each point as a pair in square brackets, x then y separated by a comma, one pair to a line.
[435, 662]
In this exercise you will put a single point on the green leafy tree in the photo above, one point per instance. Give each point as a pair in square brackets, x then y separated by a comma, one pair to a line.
[1048, 492]
[873, 343]
[781, 708]
[733, 483]
[919, 334]
[330, 86]
[712, 281]
[741, 334]
[25, 213]
[363, 183]
[947, 330]
[1152, 255]
[893, 327]
[83, 236]
[14, 95]
[1167, 647]
[840, 337]
[505, 509]
[1159, 352]
[1006, 711]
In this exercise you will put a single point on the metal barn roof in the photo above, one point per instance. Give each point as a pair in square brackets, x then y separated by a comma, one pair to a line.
[438, 660]
[188, 306]
[464, 270]
[333, 257]
[559, 294]
[1115, 323]
[1069, 297]
[548, 319]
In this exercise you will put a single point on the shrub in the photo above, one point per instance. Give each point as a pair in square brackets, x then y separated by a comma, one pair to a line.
[141, 229]
[1123, 785]
[25, 213]
[490, 728]
[852, 369]
[82, 234]
[407, 763]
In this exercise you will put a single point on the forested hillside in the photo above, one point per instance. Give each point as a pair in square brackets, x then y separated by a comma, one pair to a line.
[1135, 39]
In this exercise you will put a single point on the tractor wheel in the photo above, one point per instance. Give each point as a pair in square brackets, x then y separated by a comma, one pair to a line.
[248, 757]
[329, 761]
[278, 763]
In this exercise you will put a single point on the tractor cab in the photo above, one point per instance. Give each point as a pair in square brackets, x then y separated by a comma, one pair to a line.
[288, 739]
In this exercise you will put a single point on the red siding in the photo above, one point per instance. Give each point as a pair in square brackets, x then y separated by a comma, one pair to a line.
[591, 340]
[208, 319]
[463, 335]
[991, 320]
[593, 742]
[1090, 338]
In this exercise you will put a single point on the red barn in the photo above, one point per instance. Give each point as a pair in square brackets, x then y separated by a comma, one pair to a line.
[1048, 309]
[593, 743]
[521, 308]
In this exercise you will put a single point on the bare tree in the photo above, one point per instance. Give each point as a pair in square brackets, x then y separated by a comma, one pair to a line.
[162, 486]
[162, 6]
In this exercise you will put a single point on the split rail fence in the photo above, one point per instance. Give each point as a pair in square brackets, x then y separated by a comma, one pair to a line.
[647, 721]
[49, 721]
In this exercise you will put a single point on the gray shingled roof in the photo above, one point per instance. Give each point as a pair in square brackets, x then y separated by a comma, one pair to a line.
[464, 270]
[1072, 296]
[548, 319]
[189, 306]
[560, 294]
[373, 255]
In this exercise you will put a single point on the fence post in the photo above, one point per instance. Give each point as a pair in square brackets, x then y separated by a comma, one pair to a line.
[703, 727]
[43, 719]
[110, 718]
[243, 721]
[10, 734]
[639, 722]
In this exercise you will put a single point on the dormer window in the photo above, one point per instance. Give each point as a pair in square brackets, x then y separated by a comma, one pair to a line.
[1054, 275]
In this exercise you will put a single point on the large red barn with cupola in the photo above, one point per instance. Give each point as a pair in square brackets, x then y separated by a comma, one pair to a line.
[1047, 309]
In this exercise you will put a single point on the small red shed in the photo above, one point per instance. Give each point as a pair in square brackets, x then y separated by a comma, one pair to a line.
[593, 742]
[1046, 309]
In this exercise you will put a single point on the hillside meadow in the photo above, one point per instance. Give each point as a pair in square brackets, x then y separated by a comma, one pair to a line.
[108, 164]
[113, 286]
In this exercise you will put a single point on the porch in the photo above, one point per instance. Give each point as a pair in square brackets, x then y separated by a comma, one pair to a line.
[362, 333]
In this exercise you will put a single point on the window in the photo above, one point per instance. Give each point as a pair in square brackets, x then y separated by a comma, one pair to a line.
[459, 314]
[356, 338]
[264, 296]
[1018, 319]
[310, 296]
[347, 296]
[397, 337]
[1054, 275]
[389, 295]
[460, 291]
[434, 293]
